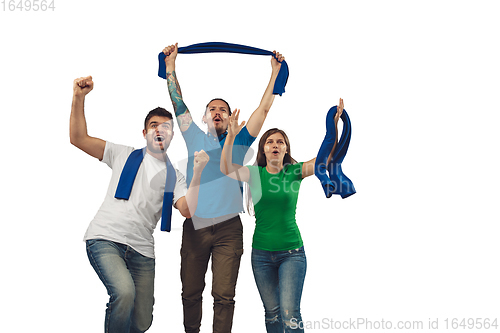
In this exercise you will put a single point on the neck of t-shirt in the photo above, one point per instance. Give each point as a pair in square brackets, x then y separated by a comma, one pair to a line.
[274, 169]
[159, 156]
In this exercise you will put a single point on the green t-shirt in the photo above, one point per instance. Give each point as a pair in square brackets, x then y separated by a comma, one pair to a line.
[275, 199]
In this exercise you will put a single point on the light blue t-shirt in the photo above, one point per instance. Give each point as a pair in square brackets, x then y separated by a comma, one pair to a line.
[220, 197]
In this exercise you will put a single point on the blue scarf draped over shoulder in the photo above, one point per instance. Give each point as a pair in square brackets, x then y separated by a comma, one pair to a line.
[127, 179]
[211, 47]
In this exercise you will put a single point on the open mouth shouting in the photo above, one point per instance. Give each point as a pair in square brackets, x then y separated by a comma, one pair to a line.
[217, 120]
[159, 138]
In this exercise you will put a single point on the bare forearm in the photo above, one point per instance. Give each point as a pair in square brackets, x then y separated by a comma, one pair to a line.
[226, 165]
[268, 97]
[174, 90]
[258, 117]
[235, 171]
[192, 193]
[77, 121]
[334, 145]
[308, 168]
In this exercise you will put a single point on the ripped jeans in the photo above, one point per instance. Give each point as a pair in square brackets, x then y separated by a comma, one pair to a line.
[279, 276]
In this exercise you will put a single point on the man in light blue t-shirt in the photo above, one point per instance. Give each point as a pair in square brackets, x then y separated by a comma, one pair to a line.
[215, 229]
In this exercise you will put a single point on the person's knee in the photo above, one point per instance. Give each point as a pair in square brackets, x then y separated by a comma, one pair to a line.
[143, 314]
[224, 282]
[272, 315]
[123, 297]
[223, 302]
[193, 270]
[143, 324]
[272, 320]
[291, 318]
[223, 293]
[192, 292]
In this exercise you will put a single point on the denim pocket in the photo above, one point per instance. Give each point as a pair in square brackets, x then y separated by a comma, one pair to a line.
[91, 242]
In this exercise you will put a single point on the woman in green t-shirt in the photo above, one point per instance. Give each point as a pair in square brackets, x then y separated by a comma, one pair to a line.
[278, 257]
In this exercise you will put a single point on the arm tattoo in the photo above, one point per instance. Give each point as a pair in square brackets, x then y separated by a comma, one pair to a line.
[181, 111]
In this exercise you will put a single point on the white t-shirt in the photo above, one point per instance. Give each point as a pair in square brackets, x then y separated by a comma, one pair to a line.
[132, 222]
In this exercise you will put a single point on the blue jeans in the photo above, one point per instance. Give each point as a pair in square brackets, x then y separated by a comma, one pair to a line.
[279, 276]
[129, 279]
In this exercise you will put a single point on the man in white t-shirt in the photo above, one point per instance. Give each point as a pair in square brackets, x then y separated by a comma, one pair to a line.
[119, 239]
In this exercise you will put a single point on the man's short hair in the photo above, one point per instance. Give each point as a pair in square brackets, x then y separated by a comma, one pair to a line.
[161, 112]
[219, 99]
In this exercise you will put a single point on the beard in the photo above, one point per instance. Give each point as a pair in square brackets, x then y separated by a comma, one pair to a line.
[220, 128]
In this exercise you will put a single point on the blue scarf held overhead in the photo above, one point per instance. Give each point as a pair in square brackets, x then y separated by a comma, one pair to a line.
[127, 179]
[211, 47]
[335, 182]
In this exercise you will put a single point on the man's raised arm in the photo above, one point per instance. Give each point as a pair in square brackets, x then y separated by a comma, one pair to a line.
[174, 90]
[257, 118]
[78, 125]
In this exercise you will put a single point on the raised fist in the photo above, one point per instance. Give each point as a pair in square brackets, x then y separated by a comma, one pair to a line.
[82, 86]
[200, 160]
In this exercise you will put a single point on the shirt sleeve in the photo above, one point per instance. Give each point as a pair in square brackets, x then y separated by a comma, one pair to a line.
[296, 171]
[242, 143]
[113, 151]
[254, 173]
[254, 183]
[180, 188]
[244, 138]
[191, 133]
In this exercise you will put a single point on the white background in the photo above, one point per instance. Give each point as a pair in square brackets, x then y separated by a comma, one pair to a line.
[420, 81]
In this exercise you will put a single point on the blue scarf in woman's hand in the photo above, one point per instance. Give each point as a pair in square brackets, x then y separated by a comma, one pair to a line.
[335, 182]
